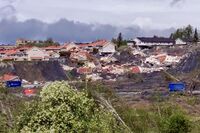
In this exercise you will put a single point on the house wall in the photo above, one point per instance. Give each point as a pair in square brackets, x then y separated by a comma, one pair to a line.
[109, 48]
[154, 44]
[180, 42]
[35, 53]
[140, 43]
[130, 43]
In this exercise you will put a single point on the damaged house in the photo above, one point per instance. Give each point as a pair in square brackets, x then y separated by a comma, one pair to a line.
[102, 47]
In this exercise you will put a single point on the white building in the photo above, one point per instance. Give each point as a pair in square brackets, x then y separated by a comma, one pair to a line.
[108, 48]
[180, 42]
[102, 46]
[70, 47]
[155, 41]
[36, 53]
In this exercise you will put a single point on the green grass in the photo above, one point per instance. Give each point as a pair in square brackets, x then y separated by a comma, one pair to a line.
[160, 116]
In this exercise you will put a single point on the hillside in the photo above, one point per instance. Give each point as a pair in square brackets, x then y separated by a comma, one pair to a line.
[31, 71]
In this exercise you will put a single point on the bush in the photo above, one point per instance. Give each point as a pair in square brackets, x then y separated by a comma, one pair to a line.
[177, 123]
[64, 109]
[3, 90]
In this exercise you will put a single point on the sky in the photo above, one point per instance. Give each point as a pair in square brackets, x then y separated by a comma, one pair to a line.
[87, 20]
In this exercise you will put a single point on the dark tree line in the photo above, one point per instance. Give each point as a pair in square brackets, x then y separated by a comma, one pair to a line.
[187, 33]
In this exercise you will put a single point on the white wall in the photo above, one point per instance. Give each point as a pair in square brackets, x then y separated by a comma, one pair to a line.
[180, 42]
[36, 52]
[108, 48]
[139, 43]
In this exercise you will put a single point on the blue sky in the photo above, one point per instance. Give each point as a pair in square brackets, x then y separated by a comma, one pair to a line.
[146, 15]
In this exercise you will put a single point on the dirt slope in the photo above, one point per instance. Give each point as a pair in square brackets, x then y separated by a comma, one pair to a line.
[34, 71]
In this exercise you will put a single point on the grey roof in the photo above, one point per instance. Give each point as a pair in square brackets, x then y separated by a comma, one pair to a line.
[156, 40]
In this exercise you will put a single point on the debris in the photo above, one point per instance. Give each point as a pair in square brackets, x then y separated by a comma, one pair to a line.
[176, 87]
[29, 92]
[136, 69]
[94, 77]
[84, 70]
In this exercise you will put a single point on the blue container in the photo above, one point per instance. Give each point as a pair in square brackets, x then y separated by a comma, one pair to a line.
[13, 84]
[176, 87]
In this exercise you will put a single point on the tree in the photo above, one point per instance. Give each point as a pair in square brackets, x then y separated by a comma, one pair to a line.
[95, 51]
[188, 32]
[185, 33]
[49, 41]
[196, 35]
[114, 41]
[64, 109]
[119, 40]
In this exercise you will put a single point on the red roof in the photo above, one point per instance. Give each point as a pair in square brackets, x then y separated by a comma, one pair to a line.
[53, 47]
[94, 44]
[10, 52]
[8, 77]
[2, 51]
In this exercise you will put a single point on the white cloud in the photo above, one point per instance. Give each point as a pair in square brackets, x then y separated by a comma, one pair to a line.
[145, 13]
[143, 22]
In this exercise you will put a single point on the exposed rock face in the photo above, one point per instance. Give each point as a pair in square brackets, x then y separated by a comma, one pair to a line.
[34, 71]
[191, 63]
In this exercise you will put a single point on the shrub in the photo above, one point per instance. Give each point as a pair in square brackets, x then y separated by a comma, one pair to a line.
[64, 109]
[177, 123]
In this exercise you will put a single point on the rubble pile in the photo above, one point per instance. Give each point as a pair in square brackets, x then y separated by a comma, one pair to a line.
[131, 60]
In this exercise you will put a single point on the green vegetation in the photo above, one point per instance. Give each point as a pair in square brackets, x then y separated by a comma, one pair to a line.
[119, 41]
[196, 35]
[46, 43]
[61, 108]
[161, 116]
[186, 33]
[64, 109]
[10, 107]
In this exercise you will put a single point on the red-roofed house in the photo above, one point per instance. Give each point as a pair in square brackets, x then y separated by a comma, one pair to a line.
[15, 55]
[38, 54]
[103, 46]
[70, 47]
